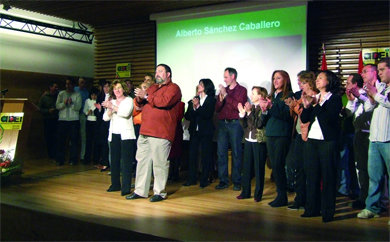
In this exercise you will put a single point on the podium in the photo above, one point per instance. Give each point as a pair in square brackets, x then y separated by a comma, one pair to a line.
[11, 118]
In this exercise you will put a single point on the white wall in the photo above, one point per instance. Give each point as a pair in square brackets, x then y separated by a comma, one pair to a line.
[30, 52]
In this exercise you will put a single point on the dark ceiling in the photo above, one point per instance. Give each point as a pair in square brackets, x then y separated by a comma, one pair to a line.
[98, 13]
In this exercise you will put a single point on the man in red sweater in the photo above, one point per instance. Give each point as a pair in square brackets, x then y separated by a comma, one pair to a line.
[159, 119]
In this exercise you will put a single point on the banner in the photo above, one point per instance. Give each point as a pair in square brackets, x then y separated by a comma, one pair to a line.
[373, 55]
[123, 70]
[11, 121]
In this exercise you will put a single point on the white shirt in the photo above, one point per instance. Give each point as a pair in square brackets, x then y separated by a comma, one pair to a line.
[380, 122]
[315, 129]
[90, 105]
[201, 101]
[121, 122]
[68, 112]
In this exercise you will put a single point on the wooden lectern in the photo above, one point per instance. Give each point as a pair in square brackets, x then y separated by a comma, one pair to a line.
[10, 136]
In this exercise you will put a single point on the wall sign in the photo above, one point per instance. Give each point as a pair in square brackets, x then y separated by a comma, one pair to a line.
[123, 70]
[11, 121]
[373, 55]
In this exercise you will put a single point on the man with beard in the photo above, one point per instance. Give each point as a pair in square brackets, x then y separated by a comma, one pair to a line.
[159, 119]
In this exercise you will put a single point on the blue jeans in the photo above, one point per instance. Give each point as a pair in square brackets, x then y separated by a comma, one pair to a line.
[378, 164]
[229, 131]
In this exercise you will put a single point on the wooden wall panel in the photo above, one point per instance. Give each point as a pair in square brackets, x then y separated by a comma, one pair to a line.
[345, 27]
[133, 43]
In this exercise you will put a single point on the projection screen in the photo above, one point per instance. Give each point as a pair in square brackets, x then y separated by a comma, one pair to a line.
[254, 42]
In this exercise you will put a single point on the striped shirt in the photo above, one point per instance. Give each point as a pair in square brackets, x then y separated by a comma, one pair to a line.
[380, 122]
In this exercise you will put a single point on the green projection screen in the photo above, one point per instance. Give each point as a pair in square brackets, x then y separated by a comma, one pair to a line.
[255, 43]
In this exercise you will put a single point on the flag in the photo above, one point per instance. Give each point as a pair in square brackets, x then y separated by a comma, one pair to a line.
[360, 65]
[324, 66]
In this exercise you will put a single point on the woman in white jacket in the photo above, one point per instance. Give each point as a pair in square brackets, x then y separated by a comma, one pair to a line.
[121, 136]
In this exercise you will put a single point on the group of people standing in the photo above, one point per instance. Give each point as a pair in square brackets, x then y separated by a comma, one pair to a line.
[305, 125]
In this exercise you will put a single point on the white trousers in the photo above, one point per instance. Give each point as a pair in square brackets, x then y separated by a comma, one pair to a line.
[153, 153]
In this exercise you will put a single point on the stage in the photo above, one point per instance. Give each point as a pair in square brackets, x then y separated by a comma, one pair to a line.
[71, 203]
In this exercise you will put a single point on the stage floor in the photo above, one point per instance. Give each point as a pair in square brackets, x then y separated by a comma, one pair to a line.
[189, 213]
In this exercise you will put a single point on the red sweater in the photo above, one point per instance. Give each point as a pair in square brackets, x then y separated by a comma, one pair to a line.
[160, 113]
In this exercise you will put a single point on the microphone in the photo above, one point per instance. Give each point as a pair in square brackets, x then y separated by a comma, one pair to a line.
[3, 92]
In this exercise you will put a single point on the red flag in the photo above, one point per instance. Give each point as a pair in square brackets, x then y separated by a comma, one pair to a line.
[324, 66]
[360, 66]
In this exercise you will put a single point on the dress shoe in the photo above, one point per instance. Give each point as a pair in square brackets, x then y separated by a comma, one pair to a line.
[187, 184]
[156, 198]
[257, 200]
[327, 219]
[278, 202]
[236, 187]
[125, 193]
[203, 185]
[310, 215]
[294, 206]
[113, 189]
[242, 197]
[221, 186]
[133, 196]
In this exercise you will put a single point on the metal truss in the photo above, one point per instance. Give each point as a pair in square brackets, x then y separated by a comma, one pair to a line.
[45, 29]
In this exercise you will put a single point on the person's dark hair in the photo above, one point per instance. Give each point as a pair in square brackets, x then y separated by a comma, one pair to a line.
[124, 87]
[103, 82]
[261, 91]
[209, 88]
[286, 85]
[167, 68]
[385, 60]
[52, 83]
[232, 71]
[94, 90]
[150, 74]
[357, 78]
[334, 83]
[72, 80]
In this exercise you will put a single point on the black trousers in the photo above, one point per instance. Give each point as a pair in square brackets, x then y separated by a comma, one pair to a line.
[320, 162]
[255, 155]
[277, 148]
[360, 145]
[68, 130]
[206, 145]
[122, 155]
[91, 144]
[295, 162]
[102, 143]
[50, 131]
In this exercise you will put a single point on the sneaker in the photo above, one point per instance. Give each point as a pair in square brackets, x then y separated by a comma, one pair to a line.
[365, 213]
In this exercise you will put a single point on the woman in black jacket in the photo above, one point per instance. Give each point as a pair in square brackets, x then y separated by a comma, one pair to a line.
[321, 150]
[278, 132]
[200, 114]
